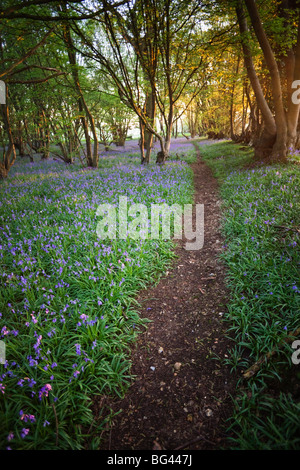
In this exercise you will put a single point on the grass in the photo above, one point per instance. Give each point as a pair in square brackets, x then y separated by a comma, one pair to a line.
[67, 299]
[261, 227]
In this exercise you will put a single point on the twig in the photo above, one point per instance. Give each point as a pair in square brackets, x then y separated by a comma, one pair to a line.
[256, 366]
[287, 229]
[109, 441]
[56, 420]
[194, 441]
[124, 315]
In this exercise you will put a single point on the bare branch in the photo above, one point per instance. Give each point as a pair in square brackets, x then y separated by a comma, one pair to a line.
[38, 80]
[17, 11]
[28, 67]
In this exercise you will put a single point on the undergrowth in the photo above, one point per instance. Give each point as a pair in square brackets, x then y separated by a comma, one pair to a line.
[67, 299]
[261, 218]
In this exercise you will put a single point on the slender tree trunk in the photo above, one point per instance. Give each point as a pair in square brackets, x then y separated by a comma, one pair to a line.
[86, 116]
[19, 141]
[150, 111]
[28, 140]
[232, 134]
[142, 143]
[46, 137]
[167, 143]
[9, 154]
[293, 109]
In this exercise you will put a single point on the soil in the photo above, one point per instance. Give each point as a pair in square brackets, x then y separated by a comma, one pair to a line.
[181, 395]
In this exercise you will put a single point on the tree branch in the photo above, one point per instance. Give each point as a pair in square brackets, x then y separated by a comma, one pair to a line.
[16, 11]
[28, 54]
[28, 67]
[38, 80]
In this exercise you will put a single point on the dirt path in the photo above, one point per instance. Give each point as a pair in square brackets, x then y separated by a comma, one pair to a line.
[180, 398]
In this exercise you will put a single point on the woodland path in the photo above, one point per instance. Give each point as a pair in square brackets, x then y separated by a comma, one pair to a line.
[180, 398]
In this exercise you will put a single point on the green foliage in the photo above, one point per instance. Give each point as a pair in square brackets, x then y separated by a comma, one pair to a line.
[224, 157]
[261, 216]
[67, 299]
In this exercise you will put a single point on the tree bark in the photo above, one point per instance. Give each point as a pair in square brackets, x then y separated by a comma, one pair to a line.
[293, 109]
[9, 154]
[279, 150]
[150, 112]
[86, 116]
[142, 142]
[263, 145]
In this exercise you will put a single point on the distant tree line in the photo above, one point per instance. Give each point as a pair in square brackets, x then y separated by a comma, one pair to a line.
[78, 74]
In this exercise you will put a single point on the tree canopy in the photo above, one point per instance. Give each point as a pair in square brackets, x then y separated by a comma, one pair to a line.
[223, 69]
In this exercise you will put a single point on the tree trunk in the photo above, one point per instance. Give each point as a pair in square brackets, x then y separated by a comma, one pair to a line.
[264, 144]
[142, 143]
[28, 141]
[150, 112]
[9, 155]
[232, 134]
[279, 150]
[92, 155]
[45, 137]
[3, 171]
[293, 73]
[169, 130]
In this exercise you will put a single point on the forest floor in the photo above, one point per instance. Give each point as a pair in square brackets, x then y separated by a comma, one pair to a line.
[180, 397]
